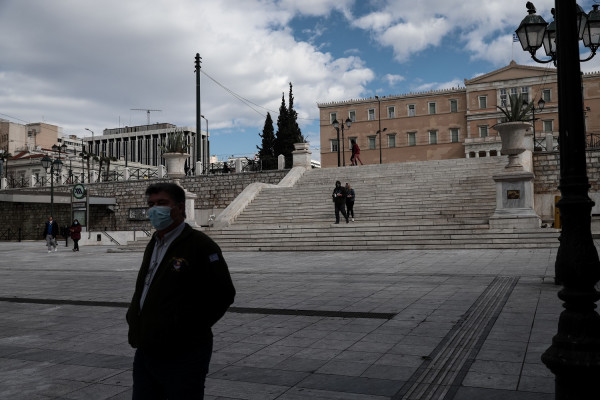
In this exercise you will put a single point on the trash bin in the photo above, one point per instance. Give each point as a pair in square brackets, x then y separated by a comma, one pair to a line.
[556, 213]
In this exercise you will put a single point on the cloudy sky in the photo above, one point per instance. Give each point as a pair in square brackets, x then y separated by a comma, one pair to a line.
[86, 63]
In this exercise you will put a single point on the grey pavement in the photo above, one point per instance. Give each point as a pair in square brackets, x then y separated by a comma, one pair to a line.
[453, 324]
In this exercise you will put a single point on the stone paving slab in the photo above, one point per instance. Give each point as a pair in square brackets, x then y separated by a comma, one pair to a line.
[63, 333]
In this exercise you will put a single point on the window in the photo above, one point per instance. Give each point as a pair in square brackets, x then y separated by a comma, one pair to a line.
[483, 131]
[332, 117]
[503, 98]
[453, 105]
[392, 140]
[432, 107]
[482, 101]
[391, 112]
[432, 137]
[411, 110]
[548, 126]
[412, 138]
[454, 135]
[371, 114]
[546, 95]
[371, 142]
[352, 116]
[334, 145]
[350, 139]
[525, 93]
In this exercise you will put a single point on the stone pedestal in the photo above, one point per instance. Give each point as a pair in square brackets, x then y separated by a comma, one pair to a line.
[190, 211]
[514, 202]
[301, 155]
[280, 162]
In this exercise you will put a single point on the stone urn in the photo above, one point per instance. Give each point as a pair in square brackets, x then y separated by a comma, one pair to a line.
[175, 164]
[516, 139]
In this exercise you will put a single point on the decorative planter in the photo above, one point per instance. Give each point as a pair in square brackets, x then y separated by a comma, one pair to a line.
[515, 140]
[301, 146]
[301, 156]
[175, 164]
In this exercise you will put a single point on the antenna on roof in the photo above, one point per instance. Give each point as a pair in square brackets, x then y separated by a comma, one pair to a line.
[144, 109]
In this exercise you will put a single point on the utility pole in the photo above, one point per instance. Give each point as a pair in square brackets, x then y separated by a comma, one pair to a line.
[147, 112]
[198, 113]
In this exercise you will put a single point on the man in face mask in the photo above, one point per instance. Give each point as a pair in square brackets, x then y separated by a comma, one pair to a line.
[182, 289]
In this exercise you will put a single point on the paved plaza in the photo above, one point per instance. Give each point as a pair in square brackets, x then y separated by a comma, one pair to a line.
[455, 324]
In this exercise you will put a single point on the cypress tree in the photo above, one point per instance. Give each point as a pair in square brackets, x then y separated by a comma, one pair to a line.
[282, 130]
[294, 130]
[266, 152]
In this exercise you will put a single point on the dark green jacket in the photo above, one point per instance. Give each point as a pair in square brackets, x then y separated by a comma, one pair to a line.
[190, 291]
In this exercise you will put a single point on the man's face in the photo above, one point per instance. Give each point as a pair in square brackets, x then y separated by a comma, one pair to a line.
[163, 199]
[50, 219]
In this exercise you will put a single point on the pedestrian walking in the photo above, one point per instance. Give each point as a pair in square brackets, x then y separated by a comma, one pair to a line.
[350, 196]
[183, 288]
[75, 231]
[355, 153]
[50, 232]
[339, 199]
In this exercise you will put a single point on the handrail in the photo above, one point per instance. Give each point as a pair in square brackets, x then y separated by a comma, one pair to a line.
[111, 238]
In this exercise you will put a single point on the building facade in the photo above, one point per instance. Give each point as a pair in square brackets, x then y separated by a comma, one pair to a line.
[453, 123]
[141, 144]
[15, 137]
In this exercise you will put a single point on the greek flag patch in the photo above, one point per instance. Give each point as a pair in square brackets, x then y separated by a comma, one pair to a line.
[213, 257]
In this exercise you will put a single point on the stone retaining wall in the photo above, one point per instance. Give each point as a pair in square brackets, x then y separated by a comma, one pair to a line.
[214, 192]
[547, 178]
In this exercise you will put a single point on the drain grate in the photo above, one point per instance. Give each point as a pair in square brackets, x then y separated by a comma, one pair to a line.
[312, 313]
[439, 377]
[239, 310]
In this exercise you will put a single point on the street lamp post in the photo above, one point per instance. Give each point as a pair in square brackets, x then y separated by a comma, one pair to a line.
[541, 103]
[379, 131]
[205, 149]
[55, 164]
[574, 356]
[337, 126]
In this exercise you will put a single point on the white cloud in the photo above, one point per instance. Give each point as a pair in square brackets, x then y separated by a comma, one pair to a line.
[86, 64]
[410, 27]
[393, 79]
[453, 84]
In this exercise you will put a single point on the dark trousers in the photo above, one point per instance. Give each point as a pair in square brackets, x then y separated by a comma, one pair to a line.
[339, 207]
[350, 208]
[75, 244]
[174, 376]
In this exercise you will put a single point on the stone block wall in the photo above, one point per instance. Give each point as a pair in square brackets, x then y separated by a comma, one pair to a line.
[547, 178]
[547, 171]
[213, 191]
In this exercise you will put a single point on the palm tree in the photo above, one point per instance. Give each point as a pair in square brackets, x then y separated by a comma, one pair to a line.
[4, 156]
[86, 156]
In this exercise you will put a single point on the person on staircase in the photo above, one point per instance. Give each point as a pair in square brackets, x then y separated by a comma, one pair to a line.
[350, 195]
[355, 153]
[339, 199]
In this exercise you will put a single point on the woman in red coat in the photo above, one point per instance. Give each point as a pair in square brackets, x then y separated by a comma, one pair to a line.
[75, 230]
[355, 153]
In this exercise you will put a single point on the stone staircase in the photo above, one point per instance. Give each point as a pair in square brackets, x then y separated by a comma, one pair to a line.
[417, 205]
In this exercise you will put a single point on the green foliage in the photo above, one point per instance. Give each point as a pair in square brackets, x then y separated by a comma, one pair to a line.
[267, 150]
[288, 131]
[518, 110]
[175, 143]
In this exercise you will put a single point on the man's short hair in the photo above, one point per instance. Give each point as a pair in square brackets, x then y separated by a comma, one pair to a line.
[175, 192]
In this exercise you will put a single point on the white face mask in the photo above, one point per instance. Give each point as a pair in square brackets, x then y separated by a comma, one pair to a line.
[160, 217]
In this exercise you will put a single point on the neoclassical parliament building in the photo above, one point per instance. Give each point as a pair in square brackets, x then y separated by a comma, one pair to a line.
[451, 123]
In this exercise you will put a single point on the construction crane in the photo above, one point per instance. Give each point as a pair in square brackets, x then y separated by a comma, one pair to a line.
[144, 109]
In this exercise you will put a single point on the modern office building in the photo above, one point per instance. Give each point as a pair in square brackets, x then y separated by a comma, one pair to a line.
[141, 144]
